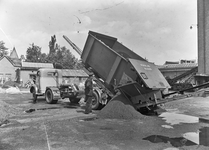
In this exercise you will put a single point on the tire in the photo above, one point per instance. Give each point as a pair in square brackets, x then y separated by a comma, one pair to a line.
[49, 97]
[95, 101]
[74, 100]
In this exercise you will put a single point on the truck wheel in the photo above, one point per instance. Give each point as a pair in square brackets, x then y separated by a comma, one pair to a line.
[49, 97]
[74, 100]
[95, 101]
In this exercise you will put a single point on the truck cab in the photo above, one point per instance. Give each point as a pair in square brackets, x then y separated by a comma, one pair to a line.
[49, 83]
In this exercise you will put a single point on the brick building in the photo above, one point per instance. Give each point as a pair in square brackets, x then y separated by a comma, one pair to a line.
[8, 67]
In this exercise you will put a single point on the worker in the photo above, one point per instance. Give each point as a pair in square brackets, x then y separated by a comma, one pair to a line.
[89, 93]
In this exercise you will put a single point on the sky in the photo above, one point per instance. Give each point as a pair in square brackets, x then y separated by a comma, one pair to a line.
[158, 30]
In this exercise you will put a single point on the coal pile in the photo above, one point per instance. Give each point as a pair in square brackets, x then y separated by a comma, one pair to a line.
[120, 107]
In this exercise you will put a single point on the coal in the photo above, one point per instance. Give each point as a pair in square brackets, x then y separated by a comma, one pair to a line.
[120, 107]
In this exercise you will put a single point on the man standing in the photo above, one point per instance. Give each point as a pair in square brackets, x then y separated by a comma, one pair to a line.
[89, 94]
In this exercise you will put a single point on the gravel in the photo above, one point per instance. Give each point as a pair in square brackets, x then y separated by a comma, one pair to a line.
[120, 108]
[6, 110]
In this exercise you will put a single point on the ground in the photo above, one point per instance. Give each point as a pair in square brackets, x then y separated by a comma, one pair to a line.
[64, 126]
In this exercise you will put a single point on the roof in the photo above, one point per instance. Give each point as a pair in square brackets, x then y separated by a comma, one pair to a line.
[171, 66]
[14, 61]
[36, 65]
[13, 54]
[74, 73]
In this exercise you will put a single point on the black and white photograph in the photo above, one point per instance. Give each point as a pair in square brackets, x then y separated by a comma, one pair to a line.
[104, 74]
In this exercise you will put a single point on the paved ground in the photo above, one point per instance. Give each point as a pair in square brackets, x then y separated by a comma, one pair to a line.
[64, 126]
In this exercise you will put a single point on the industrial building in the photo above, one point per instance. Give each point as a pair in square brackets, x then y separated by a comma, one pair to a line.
[172, 70]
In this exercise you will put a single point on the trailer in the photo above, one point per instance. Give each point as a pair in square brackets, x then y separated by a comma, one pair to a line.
[122, 70]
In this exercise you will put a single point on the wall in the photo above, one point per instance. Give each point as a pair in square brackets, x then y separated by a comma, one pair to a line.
[7, 71]
[25, 76]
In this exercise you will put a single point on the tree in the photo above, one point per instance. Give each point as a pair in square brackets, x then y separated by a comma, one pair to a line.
[43, 58]
[3, 49]
[52, 45]
[34, 54]
[62, 58]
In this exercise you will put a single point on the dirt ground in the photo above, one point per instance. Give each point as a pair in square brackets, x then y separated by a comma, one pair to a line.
[64, 126]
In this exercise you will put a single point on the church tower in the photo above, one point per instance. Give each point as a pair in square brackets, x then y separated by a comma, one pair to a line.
[13, 54]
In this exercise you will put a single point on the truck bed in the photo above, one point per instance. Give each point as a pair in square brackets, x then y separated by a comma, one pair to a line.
[117, 65]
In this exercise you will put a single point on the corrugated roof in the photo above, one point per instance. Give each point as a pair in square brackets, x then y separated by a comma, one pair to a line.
[36, 65]
[74, 73]
[187, 65]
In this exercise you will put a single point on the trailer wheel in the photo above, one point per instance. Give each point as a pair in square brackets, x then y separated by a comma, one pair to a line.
[74, 100]
[95, 101]
[49, 97]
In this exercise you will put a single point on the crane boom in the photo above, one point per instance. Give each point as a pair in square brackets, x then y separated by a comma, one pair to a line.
[76, 48]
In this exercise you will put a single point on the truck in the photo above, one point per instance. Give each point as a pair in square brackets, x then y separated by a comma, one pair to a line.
[49, 83]
[119, 69]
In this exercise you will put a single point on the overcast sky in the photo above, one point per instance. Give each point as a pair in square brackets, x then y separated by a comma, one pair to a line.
[158, 30]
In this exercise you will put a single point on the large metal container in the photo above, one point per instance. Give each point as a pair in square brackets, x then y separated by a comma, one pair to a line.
[117, 65]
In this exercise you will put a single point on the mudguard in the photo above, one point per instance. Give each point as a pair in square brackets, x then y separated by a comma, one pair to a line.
[100, 96]
[32, 88]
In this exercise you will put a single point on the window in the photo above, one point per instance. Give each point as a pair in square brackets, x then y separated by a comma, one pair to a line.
[32, 77]
[8, 76]
[50, 74]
